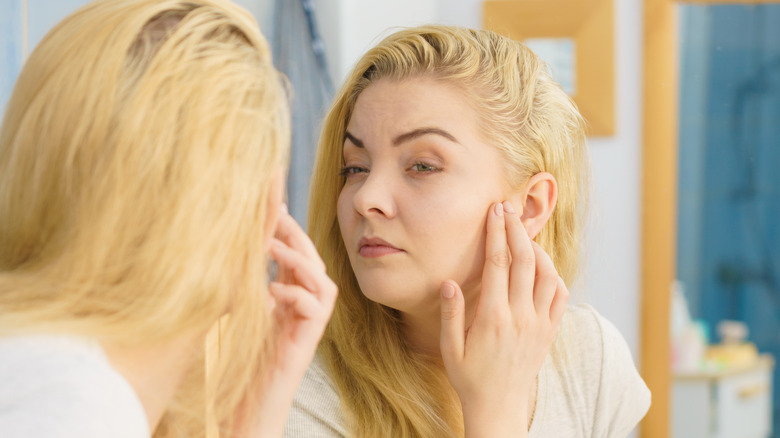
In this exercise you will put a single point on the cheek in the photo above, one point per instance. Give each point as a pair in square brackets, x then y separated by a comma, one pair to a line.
[457, 225]
[344, 210]
[467, 230]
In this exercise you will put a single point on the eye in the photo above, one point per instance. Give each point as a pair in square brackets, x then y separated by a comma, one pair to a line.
[352, 170]
[424, 167]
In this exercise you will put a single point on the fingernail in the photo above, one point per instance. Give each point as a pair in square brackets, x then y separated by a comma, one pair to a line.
[498, 210]
[283, 208]
[447, 291]
[508, 207]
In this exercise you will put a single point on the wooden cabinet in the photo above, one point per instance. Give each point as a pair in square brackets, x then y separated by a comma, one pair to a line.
[730, 403]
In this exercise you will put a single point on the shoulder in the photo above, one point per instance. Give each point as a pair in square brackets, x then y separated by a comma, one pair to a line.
[60, 386]
[583, 338]
[592, 360]
[316, 410]
[587, 336]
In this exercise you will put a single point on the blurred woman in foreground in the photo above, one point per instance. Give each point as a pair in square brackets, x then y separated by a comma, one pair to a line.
[142, 161]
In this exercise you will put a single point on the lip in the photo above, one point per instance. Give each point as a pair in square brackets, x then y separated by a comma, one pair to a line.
[373, 247]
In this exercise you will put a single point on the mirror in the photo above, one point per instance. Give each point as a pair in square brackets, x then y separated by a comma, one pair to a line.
[728, 239]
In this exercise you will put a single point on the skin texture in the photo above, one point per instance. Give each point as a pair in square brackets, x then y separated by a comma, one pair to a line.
[427, 234]
[426, 196]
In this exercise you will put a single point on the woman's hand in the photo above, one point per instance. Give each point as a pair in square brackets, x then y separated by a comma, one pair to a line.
[493, 364]
[304, 297]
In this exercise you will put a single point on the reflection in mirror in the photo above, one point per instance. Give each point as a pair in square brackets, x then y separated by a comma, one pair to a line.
[561, 56]
[726, 308]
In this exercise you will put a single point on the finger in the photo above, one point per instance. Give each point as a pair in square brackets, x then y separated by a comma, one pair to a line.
[546, 281]
[303, 303]
[522, 271]
[495, 274]
[289, 232]
[453, 336]
[558, 307]
[299, 316]
[301, 269]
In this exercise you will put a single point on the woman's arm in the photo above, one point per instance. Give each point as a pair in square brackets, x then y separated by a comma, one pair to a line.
[493, 363]
[304, 297]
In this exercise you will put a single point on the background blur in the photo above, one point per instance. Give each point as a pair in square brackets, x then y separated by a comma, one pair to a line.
[728, 61]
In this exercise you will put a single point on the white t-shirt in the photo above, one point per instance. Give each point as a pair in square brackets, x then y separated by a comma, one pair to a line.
[64, 387]
[588, 387]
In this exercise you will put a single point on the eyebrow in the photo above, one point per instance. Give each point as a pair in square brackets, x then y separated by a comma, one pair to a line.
[406, 137]
[355, 141]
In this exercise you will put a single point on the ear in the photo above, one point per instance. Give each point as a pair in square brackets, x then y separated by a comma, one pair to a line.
[538, 200]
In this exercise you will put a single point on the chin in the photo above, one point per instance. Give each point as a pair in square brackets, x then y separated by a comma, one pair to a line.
[385, 297]
[402, 295]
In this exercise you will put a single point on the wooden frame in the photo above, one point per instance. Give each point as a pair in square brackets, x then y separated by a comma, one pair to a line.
[591, 24]
[659, 207]
[659, 199]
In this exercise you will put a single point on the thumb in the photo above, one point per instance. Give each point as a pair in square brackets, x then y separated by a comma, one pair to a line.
[452, 323]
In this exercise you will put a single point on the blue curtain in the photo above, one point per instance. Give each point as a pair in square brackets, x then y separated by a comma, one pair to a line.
[300, 54]
[729, 203]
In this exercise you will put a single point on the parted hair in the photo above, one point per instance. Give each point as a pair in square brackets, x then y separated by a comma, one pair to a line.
[387, 390]
[137, 154]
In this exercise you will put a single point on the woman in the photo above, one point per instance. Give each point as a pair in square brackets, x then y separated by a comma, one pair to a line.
[450, 166]
[142, 161]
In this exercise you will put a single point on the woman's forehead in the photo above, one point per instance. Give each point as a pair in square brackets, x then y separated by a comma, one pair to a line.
[404, 105]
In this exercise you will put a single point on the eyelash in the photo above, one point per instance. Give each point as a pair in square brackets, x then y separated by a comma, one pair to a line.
[350, 170]
[431, 168]
[354, 170]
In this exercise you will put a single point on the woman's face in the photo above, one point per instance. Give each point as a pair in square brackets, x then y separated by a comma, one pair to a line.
[419, 182]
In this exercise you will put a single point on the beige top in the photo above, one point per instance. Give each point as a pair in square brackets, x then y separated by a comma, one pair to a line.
[588, 387]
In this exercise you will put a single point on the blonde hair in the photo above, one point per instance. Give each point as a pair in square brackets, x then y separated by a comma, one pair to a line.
[388, 390]
[137, 155]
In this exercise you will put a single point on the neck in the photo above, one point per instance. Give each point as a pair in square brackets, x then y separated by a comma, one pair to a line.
[154, 371]
[422, 328]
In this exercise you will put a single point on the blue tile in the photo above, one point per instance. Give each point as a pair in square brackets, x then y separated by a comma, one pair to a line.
[10, 47]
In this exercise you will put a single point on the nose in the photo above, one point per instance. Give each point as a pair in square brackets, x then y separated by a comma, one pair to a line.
[374, 197]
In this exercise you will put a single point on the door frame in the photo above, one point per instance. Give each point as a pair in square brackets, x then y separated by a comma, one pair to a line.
[659, 200]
